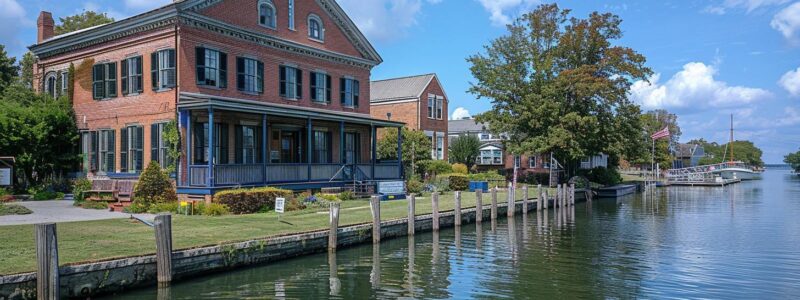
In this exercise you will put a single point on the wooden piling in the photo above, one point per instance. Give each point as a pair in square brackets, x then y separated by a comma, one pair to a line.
[540, 194]
[375, 208]
[572, 194]
[412, 214]
[478, 206]
[435, 208]
[457, 220]
[511, 207]
[546, 199]
[493, 211]
[334, 223]
[47, 277]
[163, 229]
[524, 199]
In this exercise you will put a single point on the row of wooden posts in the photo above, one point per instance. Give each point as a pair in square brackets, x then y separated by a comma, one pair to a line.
[47, 274]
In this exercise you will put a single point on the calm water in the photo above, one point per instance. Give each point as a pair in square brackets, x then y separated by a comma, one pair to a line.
[741, 241]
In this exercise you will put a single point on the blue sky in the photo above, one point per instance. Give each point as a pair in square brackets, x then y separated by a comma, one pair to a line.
[712, 58]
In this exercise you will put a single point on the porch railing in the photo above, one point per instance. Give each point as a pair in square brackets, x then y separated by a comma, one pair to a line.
[254, 174]
[287, 173]
[199, 175]
[238, 174]
[326, 172]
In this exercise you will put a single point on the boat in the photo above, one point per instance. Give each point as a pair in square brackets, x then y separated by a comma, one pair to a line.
[737, 169]
[616, 191]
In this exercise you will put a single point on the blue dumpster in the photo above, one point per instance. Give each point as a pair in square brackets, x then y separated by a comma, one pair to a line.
[479, 185]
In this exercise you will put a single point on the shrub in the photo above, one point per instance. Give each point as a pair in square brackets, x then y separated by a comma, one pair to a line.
[13, 209]
[163, 207]
[294, 203]
[46, 195]
[434, 167]
[94, 205]
[154, 186]
[213, 209]
[460, 168]
[347, 196]
[414, 186]
[80, 186]
[136, 208]
[7, 198]
[486, 176]
[248, 201]
[458, 182]
[604, 176]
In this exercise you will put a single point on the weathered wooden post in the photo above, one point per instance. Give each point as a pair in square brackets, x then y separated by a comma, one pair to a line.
[457, 220]
[334, 223]
[478, 206]
[572, 194]
[541, 197]
[524, 199]
[163, 229]
[375, 208]
[545, 199]
[493, 212]
[47, 281]
[511, 207]
[435, 208]
[557, 195]
[412, 214]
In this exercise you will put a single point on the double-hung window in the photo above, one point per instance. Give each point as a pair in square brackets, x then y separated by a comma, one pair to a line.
[201, 143]
[349, 91]
[159, 147]
[532, 162]
[517, 161]
[320, 87]
[212, 67]
[104, 81]
[162, 69]
[291, 82]
[439, 107]
[247, 145]
[106, 150]
[132, 149]
[249, 75]
[435, 106]
[322, 147]
[64, 79]
[132, 75]
[431, 106]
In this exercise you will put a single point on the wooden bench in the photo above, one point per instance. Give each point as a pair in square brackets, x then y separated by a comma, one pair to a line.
[100, 187]
[124, 190]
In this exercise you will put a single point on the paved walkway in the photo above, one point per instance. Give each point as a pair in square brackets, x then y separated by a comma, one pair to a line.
[58, 211]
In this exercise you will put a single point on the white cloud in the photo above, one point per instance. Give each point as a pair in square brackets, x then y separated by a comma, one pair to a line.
[787, 21]
[460, 113]
[144, 5]
[791, 82]
[748, 5]
[503, 11]
[383, 20]
[693, 87]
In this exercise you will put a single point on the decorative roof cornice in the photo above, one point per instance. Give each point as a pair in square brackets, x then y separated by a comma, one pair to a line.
[219, 27]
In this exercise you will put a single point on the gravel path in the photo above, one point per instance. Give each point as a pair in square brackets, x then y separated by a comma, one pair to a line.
[58, 211]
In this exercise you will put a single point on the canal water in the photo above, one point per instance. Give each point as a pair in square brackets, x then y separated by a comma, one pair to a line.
[740, 241]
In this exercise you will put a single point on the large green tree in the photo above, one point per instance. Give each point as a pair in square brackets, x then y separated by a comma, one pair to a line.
[744, 151]
[793, 159]
[80, 21]
[26, 69]
[416, 148]
[464, 149]
[8, 68]
[559, 84]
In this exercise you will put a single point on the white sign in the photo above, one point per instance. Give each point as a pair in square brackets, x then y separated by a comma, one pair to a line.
[391, 187]
[5, 177]
[279, 204]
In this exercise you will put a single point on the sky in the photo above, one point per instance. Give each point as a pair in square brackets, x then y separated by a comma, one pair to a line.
[711, 58]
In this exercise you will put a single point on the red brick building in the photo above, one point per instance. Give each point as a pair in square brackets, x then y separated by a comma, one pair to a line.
[419, 101]
[284, 83]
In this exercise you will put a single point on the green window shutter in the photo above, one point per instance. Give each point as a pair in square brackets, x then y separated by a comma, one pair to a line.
[110, 159]
[240, 73]
[299, 83]
[312, 83]
[98, 82]
[94, 148]
[328, 88]
[123, 151]
[260, 79]
[356, 92]
[111, 80]
[342, 90]
[154, 70]
[223, 70]
[155, 135]
[124, 66]
[200, 61]
[139, 72]
[239, 143]
[139, 147]
[282, 82]
[223, 144]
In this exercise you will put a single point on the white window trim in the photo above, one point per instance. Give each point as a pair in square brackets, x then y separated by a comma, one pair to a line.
[64, 82]
[274, 23]
[291, 15]
[314, 17]
[54, 77]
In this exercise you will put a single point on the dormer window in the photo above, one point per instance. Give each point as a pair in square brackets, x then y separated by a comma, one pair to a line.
[315, 29]
[266, 14]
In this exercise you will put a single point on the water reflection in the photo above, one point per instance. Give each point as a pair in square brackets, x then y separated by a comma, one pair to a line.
[740, 241]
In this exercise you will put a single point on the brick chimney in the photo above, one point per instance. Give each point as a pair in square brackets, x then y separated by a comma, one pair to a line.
[45, 26]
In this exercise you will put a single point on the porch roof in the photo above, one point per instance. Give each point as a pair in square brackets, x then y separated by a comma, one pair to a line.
[198, 101]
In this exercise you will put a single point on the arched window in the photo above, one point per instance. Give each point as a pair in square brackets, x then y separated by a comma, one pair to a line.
[50, 84]
[64, 82]
[315, 28]
[266, 13]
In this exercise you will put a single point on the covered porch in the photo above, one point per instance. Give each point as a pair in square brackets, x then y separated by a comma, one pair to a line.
[262, 144]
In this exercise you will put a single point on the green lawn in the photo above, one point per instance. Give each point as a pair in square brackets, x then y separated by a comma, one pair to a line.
[101, 240]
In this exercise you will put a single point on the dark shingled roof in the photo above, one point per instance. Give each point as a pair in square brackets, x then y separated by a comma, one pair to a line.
[402, 88]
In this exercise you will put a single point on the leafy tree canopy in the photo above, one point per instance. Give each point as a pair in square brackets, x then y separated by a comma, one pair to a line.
[558, 84]
[82, 21]
[793, 159]
[8, 68]
[416, 148]
[656, 120]
[464, 150]
[744, 151]
[26, 67]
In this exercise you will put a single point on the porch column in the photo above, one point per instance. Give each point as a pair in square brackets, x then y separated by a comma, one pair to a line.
[342, 155]
[308, 147]
[210, 146]
[264, 150]
[374, 151]
[188, 143]
[400, 151]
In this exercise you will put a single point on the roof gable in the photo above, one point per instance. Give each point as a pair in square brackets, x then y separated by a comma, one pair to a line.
[401, 88]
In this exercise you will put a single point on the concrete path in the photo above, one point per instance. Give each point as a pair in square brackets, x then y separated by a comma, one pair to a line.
[58, 211]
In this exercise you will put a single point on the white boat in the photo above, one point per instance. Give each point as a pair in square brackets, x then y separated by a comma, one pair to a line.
[742, 173]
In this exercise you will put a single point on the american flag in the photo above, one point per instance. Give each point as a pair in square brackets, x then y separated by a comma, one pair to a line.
[661, 134]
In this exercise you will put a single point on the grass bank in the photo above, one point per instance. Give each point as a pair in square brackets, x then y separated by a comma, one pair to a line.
[80, 242]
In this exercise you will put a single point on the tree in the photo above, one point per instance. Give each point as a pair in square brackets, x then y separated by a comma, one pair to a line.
[558, 85]
[465, 150]
[416, 148]
[26, 69]
[40, 132]
[82, 21]
[654, 121]
[793, 159]
[8, 69]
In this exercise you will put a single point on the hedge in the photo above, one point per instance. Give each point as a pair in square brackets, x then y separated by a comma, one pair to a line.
[249, 201]
[458, 182]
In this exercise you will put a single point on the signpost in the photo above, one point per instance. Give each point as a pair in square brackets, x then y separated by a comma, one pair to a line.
[280, 203]
[392, 190]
